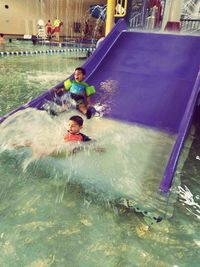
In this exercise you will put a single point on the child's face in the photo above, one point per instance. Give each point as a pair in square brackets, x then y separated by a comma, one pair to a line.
[78, 76]
[74, 127]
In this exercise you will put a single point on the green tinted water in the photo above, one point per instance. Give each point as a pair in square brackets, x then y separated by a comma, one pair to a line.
[17, 45]
[24, 77]
[55, 212]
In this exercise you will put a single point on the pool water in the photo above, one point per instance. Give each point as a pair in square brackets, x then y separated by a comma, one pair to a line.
[63, 211]
[17, 45]
[24, 77]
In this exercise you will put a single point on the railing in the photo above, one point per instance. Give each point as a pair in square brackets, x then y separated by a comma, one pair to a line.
[146, 15]
[187, 25]
[136, 21]
[190, 25]
[191, 9]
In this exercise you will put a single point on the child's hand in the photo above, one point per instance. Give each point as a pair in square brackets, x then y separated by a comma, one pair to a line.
[58, 90]
[54, 90]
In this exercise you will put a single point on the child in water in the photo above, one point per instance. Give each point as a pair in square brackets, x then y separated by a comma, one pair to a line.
[73, 132]
[80, 91]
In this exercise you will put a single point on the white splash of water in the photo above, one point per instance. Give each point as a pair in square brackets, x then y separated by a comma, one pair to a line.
[187, 198]
[197, 242]
[104, 105]
[101, 109]
[121, 171]
[109, 86]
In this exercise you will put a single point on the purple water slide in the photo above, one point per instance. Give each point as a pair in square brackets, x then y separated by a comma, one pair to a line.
[158, 82]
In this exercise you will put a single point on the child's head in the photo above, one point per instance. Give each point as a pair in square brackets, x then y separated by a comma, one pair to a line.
[79, 74]
[1, 34]
[75, 124]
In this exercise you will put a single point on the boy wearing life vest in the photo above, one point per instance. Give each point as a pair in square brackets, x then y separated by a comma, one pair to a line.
[80, 91]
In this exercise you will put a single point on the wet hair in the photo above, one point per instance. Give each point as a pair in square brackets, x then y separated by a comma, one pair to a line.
[77, 119]
[82, 70]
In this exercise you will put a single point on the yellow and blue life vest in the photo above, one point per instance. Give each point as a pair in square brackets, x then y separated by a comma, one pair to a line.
[79, 88]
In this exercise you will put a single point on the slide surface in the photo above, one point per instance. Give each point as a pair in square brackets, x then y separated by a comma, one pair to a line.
[157, 84]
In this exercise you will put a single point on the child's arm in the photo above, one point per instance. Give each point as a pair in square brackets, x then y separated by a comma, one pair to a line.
[58, 90]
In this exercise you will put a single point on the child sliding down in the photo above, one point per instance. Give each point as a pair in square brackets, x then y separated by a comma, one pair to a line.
[80, 91]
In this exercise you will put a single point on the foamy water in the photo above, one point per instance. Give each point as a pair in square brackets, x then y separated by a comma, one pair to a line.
[133, 162]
